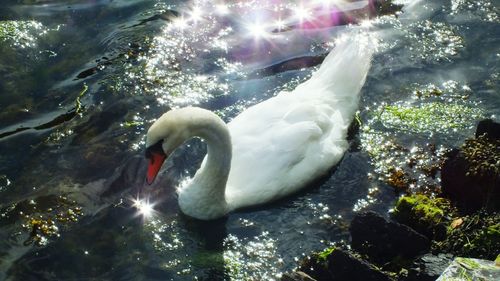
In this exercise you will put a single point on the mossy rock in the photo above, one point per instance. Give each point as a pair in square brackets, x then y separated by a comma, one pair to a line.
[316, 265]
[470, 269]
[471, 175]
[335, 264]
[429, 216]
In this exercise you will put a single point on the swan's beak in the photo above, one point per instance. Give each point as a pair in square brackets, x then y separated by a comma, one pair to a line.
[155, 162]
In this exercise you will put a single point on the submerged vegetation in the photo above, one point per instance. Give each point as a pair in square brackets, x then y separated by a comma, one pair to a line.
[428, 117]
[21, 33]
[43, 217]
[431, 110]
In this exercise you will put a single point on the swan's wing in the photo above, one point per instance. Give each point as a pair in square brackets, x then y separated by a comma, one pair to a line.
[278, 147]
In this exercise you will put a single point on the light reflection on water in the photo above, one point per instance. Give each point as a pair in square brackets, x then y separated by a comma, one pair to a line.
[219, 55]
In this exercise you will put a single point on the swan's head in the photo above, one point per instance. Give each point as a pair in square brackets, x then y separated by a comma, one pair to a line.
[163, 137]
[174, 128]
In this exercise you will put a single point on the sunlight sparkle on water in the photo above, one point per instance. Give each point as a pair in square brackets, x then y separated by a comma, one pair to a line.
[279, 24]
[181, 23]
[144, 207]
[257, 30]
[302, 13]
[196, 14]
[222, 9]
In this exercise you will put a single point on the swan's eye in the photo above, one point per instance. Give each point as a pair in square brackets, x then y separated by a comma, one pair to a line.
[157, 148]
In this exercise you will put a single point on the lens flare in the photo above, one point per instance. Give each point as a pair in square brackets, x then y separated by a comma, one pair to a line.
[196, 14]
[222, 9]
[144, 207]
[257, 30]
[302, 13]
[181, 23]
[279, 24]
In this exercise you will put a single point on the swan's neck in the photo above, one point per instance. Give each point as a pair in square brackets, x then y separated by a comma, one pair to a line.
[204, 196]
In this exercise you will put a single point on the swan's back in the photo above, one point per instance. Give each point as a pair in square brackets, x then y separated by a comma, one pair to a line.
[288, 141]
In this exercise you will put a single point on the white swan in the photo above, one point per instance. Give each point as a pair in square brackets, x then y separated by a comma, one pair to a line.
[271, 149]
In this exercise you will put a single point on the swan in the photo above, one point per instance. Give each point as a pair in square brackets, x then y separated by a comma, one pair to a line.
[271, 149]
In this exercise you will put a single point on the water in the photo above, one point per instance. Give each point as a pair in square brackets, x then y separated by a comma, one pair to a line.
[83, 80]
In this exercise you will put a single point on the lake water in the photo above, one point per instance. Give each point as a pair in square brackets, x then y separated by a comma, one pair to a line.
[81, 81]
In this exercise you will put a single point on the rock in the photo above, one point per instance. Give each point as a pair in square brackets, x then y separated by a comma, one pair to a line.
[470, 175]
[489, 128]
[428, 267]
[316, 265]
[471, 269]
[382, 240]
[297, 276]
[335, 264]
[344, 266]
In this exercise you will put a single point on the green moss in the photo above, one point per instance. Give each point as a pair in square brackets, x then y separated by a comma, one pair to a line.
[422, 207]
[427, 215]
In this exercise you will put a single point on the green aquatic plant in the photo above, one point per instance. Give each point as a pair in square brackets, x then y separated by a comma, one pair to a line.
[43, 216]
[444, 109]
[429, 117]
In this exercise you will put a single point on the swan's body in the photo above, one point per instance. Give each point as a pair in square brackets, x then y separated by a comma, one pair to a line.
[273, 148]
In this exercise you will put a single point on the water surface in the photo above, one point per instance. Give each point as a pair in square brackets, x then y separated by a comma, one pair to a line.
[81, 81]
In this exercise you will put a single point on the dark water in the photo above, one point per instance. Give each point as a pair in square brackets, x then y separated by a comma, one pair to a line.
[81, 81]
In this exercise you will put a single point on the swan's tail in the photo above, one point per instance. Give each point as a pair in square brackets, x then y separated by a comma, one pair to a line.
[343, 72]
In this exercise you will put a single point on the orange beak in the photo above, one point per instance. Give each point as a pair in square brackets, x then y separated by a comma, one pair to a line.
[156, 160]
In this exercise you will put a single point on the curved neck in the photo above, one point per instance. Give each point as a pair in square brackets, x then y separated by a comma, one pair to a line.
[215, 167]
[204, 196]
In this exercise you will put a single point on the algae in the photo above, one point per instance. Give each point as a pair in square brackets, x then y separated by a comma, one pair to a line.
[430, 109]
[429, 117]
